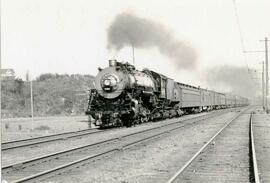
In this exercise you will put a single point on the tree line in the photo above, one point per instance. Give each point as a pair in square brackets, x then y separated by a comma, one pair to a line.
[53, 94]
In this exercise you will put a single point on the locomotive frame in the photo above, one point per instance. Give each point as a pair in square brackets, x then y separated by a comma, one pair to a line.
[124, 96]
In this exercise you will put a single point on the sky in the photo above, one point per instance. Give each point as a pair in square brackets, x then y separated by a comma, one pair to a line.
[70, 36]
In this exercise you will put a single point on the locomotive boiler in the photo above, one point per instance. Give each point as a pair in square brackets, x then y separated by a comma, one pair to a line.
[124, 96]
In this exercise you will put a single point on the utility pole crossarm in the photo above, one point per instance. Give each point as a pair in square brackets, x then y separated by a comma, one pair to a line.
[253, 51]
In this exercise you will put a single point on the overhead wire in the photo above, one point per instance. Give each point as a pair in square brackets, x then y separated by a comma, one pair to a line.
[242, 39]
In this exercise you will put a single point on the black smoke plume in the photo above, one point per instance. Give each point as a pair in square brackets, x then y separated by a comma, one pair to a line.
[128, 29]
[236, 79]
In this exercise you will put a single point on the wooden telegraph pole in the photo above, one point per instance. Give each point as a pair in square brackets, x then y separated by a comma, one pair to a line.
[266, 73]
[263, 94]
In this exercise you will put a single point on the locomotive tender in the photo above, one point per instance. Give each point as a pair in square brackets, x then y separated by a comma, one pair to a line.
[124, 96]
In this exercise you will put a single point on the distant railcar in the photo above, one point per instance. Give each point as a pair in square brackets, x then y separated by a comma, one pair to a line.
[124, 96]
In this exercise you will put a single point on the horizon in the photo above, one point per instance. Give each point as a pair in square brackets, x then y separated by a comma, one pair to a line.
[72, 38]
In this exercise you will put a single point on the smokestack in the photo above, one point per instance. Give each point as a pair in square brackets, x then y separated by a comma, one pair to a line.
[133, 56]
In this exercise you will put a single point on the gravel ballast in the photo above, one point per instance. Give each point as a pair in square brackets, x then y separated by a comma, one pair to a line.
[152, 161]
[11, 157]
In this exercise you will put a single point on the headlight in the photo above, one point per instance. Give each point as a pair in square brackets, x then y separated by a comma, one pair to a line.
[109, 82]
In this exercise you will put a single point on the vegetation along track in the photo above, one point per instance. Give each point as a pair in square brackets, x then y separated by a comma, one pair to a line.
[50, 165]
[11, 145]
[229, 155]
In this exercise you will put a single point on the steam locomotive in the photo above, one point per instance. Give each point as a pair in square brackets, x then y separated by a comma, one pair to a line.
[124, 96]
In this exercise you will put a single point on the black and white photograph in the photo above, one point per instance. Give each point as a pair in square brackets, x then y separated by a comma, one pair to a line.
[142, 91]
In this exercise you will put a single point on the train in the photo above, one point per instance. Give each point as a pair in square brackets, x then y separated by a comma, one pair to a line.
[125, 96]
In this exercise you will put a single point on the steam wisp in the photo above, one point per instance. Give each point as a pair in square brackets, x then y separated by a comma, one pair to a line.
[235, 79]
[128, 29]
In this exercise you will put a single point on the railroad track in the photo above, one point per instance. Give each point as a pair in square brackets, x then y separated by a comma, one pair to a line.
[40, 168]
[211, 163]
[255, 171]
[14, 145]
[46, 139]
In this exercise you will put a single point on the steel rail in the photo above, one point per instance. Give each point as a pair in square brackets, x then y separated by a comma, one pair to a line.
[59, 169]
[253, 152]
[110, 140]
[10, 145]
[45, 139]
[53, 156]
[174, 177]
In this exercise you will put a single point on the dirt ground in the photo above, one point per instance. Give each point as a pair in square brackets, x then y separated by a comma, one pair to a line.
[20, 128]
[11, 157]
[261, 129]
[153, 161]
